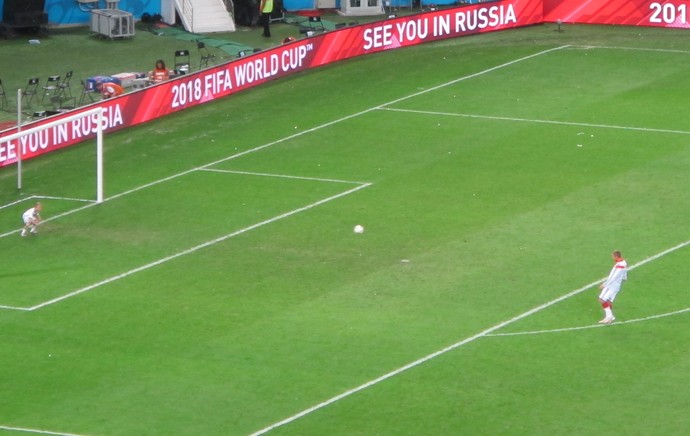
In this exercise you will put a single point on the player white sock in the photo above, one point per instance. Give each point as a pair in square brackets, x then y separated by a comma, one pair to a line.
[608, 312]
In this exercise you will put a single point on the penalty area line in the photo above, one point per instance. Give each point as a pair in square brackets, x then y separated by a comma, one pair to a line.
[48, 197]
[538, 121]
[37, 431]
[16, 202]
[25, 309]
[281, 176]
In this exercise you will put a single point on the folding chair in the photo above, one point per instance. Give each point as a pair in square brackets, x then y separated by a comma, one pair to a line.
[64, 87]
[64, 92]
[206, 56]
[86, 92]
[51, 87]
[182, 61]
[3, 96]
[30, 91]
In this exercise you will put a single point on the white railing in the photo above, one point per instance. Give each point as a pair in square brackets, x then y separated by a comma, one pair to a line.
[230, 7]
[187, 12]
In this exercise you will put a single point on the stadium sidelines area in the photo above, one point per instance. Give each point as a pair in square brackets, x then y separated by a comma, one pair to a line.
[488, 332]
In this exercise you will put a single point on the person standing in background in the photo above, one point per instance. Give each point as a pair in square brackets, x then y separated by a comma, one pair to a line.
[266, 8]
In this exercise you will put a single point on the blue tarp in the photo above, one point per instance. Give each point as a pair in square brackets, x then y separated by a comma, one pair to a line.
[299, 5]
[69, 11]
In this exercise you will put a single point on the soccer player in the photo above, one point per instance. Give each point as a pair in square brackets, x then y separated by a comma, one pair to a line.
[611, 286]
[32, 218]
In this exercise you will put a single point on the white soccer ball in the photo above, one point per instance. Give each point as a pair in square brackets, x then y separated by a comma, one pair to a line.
[359, 229]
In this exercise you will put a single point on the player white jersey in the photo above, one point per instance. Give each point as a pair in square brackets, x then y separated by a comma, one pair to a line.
[612, 285]
[618, 273]
[30, 215]
[32, 219]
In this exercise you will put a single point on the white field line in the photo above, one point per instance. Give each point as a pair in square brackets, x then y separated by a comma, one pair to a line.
[16, 202]
[471, 76]
[609, 47]
[195, 248]
[36, 431]
[48, 197]
[592, 326]
[26, 309]
[459, 344]
[537, 121]
[283, 176]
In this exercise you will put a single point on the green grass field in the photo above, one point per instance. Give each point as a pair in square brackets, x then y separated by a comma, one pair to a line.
[220, 289]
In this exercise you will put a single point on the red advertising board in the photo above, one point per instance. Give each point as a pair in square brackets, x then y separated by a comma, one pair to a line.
[672, 13]
[223, 80]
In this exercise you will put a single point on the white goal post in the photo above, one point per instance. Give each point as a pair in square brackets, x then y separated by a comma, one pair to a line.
[99, 144]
